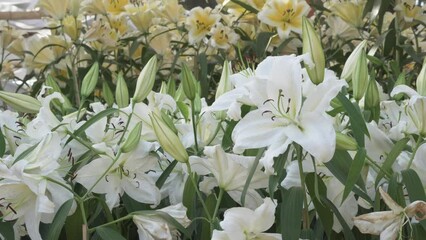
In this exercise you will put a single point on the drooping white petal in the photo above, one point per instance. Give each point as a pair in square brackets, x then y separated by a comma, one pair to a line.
[256, 131]
[265, 212]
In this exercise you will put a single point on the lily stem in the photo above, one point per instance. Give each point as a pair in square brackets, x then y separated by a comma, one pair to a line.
[306, 223]
[191, 176]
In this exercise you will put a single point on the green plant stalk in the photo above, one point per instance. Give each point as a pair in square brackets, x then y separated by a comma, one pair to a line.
[103, 175]
[83, 216]
[194, 127]
[206, 210]
[418, 143]
[127, 124]
[306, 223]
[90, 230]
[216, 209]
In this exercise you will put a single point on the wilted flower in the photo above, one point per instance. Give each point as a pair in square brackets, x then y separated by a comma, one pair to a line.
[388, 224]
[152, 226]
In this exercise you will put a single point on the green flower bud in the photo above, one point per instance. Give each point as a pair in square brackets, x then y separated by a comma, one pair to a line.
[50, 82]
[350, 63]
[168, 140]
[421, 80]
[360, 76]
[372, 99]
[224, 82]
[121, 92]
[345, 142]
[62, 106]
[312, 46]
[20, 102]
[133, 139]
[107, 94]
[146, 80]
[188, 82]
[90, 80]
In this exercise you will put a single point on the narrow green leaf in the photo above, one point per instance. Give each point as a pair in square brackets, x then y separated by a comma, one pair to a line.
[262, 43]
[184, 109]
[73, 225]
[324, 213]
[2, 144]
[58, 222]
[205, 226]
[162, 179]
[395, 190]
[414, 185]
[245, 6]
[6, 229]
[291, 212]
[91, 121]
[107, 233]
[251, 174]
[204, 81]
[189, 199]
[359, 129]
[346, 229]
[339, 167]
[354, 172]
[394, 153]
[227, 140]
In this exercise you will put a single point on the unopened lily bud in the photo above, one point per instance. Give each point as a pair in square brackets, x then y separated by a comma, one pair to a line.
[360, 76]
[107, 94]
[90, 80]
[421, 80]
[224, 82]
[20, 102]
[345, 142]
[163, 88]
[167, 120]
[171, 87]
[351, 61]
[121, 92]
[312, 46]
[372, 99]
[188, 82]
[146, 80]
[133, 139]
[168, 140]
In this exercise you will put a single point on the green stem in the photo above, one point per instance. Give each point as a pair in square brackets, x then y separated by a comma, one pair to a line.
[194, 127]
[418, 143]
[110, 223]
[83, 215]
[219, 200]
[127, 124]
[302, 182]
[191, 176]
[103, 175]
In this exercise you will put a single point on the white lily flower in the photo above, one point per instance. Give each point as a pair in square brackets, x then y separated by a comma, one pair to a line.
[154, 227]
[242, 223]
[388, 224]
[128, 174]
[230, 173]
[288, 112]
[30, 198]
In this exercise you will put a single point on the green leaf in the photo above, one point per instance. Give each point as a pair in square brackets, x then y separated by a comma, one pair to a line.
[314, 184]
[107, 233]
[205, 226]
[58, 222]
[184, 109]
[291, 212]
[227, 140]
[414, 185]
[339, 167]
[394, 153]
[162, 179]
[355, 117]
[6, 229]
[245, 6]
[395, 190]
[262, 43]
[251, 174]
[2, 144]
[346, 230]
[354, 172]
[189, 199]
[202, 77]
[91, 121]
[73, 225]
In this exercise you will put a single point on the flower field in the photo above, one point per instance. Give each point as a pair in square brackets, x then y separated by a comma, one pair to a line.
[233, 119]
